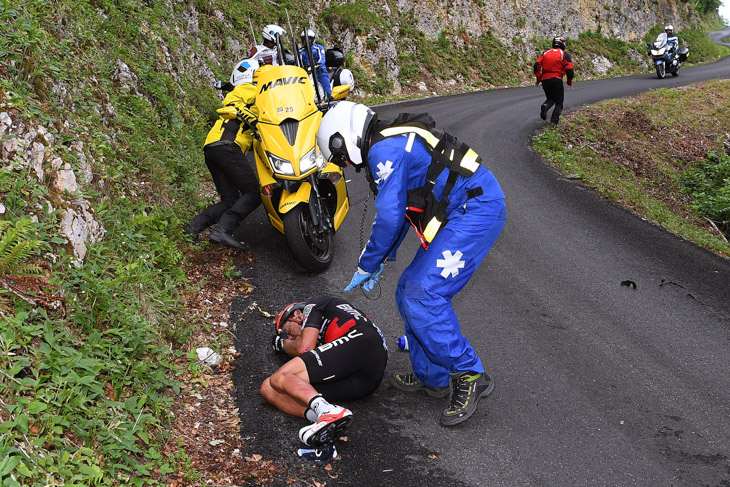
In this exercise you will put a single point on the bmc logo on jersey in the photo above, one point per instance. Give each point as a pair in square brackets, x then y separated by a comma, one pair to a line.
[340, 341]
[291, 80]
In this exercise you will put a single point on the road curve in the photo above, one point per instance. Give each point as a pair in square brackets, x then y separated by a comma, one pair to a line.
[597, 382]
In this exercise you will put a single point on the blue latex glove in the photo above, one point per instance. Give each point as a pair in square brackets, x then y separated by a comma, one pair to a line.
[375, 277]
[359, 277]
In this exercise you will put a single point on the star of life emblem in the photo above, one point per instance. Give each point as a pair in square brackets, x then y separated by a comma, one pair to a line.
[384, 171]
[451, 263]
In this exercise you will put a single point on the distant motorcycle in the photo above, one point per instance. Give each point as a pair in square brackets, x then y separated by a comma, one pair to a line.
[666, 59]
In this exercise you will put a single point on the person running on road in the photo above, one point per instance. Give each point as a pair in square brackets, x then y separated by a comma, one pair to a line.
[550, 69]
[414, 172]
[339, 355]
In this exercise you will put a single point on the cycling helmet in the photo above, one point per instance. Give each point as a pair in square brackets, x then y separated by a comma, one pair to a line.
[669, 29]
[342, 132]
[559, 42]
[259, 71]
[244, 72]
[288, 314]
[309, 33]
[270, 32]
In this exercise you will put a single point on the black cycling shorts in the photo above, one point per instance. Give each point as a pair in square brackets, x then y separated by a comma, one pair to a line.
[350, 367]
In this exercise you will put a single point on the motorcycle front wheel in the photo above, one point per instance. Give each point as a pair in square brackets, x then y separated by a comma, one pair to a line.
[660, 72]
[312, 249]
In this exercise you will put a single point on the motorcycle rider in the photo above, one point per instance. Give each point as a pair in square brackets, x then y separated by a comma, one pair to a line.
[672, 39]
[403, 158]
[266, 52]
[234, 178]
[318, 54]
[549, 69]
[339, 355]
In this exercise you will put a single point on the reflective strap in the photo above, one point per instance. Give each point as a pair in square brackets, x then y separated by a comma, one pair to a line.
[431, 229]
[428, 136]
[409, 144]
[469, 161]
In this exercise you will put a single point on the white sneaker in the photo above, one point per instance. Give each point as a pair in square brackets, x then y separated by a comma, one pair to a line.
[328, 427]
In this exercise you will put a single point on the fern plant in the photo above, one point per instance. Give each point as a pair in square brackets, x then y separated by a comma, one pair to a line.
[16, 248]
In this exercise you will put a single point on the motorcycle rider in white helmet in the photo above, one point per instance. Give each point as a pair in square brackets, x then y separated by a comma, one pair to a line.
[672, 39]
[266, 53]
[318, 54]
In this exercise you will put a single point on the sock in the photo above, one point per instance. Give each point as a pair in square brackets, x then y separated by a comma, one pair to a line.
[316, 408]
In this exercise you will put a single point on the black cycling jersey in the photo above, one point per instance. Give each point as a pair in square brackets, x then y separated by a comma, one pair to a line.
[350, 360]
[334, 317]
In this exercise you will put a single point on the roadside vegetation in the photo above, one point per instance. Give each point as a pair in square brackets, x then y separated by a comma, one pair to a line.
[99, 380]
[664, 155]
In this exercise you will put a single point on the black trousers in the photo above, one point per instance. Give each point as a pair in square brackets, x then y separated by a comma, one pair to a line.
[237, 185]
[555, 94]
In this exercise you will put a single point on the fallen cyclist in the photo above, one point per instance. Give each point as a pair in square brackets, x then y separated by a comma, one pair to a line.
[339, 355]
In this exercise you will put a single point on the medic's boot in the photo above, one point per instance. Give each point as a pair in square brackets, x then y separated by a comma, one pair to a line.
[467, 389]
[408, 383]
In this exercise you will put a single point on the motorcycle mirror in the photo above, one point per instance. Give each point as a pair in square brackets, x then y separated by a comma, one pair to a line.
[340, 92]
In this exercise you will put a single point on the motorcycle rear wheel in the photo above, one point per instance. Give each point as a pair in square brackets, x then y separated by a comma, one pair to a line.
[676, 72]
[312, 250]
[660, 71]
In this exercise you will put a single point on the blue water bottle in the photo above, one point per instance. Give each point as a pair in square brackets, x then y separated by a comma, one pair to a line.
[402, 343]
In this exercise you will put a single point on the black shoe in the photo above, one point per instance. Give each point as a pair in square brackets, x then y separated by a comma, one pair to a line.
[543, 111]
[408, 383]
[221, 237]
[468, 388]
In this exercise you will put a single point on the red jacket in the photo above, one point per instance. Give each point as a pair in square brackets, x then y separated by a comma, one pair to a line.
[554, 63]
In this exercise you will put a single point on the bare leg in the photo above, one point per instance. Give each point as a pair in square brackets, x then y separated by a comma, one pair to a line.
[289, 388]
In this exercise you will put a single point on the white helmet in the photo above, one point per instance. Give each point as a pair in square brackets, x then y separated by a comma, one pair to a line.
[270, 32]
[669, 27]
[309, 33]
[244, 71]
[342, 132]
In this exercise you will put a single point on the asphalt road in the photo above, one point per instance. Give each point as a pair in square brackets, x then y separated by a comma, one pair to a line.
[597, 383]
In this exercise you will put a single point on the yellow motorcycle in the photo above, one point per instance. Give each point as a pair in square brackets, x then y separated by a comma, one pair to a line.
[305, 196]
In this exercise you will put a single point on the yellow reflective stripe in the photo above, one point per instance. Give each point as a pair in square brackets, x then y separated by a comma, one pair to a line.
[428, 136]
[469, 161]
[431, 229]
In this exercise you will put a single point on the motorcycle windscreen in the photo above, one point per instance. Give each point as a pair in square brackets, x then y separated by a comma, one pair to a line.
[284, 92]
[288, 120]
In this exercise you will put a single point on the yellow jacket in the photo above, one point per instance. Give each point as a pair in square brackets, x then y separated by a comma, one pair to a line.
[242, 97]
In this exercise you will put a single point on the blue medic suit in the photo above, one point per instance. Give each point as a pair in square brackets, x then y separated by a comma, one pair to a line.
[426, 287]
[318, 53]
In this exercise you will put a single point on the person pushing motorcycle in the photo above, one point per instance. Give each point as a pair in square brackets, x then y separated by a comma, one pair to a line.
[339, 355]
[224, 150]
[549, 69]
[426, 178]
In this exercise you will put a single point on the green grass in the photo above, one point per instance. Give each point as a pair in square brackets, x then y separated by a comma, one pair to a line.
[90, 353]
[662, 155]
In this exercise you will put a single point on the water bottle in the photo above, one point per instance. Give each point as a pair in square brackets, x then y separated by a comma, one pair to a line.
[402, 343]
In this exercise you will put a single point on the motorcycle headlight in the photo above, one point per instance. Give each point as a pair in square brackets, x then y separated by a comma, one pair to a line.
[310, 160]
[281, 166]
[659, 52]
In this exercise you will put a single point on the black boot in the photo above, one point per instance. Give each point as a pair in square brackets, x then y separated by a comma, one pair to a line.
[220, 236]
[197, 225]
